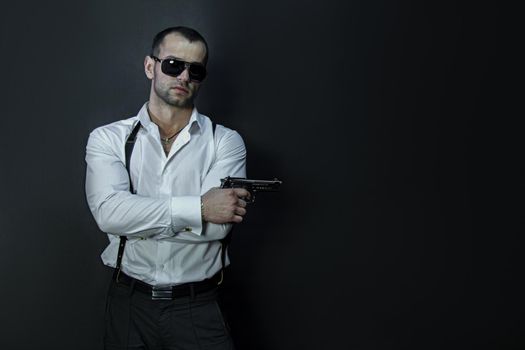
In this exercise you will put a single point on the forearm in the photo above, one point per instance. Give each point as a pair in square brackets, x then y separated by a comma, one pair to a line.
[210, 232]
[123, 213]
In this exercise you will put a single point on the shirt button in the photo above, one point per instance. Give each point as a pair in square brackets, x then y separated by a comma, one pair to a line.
[187, 229]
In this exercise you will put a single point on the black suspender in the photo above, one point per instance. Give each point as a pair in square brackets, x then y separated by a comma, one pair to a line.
[226, 240]
[130, 144]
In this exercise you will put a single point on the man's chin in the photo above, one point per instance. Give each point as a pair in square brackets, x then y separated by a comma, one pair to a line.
[180, 102]
[184, 104]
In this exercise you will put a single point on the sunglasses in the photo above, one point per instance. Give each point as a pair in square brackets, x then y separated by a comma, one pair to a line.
[174, 67]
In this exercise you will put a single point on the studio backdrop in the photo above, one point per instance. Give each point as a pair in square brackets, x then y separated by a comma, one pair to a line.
[392, 229]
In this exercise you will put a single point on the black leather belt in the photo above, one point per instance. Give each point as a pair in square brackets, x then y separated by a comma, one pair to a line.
[170, 292]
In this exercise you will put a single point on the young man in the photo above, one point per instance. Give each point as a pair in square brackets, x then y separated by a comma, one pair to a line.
[167, 216]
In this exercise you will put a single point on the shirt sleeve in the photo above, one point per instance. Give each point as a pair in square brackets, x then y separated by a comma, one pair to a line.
[114, 208]
[230, 160]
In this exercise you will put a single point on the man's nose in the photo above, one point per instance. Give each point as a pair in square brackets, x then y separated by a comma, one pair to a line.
[184, 75]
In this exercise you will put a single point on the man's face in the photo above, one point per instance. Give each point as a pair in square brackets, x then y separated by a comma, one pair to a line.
[177, 91]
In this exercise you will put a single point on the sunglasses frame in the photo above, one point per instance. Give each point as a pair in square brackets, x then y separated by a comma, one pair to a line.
[187, 65]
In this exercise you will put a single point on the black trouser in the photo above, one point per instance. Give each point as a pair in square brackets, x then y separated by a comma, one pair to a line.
[134, 321]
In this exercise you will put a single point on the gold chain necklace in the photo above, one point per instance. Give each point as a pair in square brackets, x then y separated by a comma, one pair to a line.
[167, 140]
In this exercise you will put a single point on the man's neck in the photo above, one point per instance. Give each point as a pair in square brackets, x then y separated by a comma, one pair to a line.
[169, 119]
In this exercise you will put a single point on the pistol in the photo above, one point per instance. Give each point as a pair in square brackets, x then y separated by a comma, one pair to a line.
[252, 186]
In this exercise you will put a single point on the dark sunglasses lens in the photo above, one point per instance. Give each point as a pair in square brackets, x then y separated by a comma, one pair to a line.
[172, 67]
[175, 67]
[197, 72]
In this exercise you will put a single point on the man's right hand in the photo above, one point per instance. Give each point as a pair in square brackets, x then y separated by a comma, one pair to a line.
[224, 205]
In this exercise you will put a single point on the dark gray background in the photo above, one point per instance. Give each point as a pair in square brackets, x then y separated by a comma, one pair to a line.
[399, 225]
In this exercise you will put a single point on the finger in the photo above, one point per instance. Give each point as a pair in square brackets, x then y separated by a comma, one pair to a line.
[240, 211]
[237, 219]
[241, 203]
[242, 193]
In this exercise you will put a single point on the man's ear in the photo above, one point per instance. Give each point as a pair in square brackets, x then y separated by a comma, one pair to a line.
[149, 66]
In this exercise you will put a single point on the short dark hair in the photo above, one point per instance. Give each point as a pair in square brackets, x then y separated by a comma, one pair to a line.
[188, 33]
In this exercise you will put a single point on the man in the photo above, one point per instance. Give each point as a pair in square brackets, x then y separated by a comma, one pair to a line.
[169, 208]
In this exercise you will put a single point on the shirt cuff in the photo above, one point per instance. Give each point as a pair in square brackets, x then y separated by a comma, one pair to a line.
[186, 214]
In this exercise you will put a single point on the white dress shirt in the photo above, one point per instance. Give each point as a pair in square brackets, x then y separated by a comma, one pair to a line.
[168, 243]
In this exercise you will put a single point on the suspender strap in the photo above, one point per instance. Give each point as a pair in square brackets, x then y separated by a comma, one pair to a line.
[226, 240]
[130, 144]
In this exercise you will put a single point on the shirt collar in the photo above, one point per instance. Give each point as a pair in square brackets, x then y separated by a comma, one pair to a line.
[195, 121]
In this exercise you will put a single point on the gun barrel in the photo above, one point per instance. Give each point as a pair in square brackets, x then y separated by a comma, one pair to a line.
[254, 185]
[266, 187]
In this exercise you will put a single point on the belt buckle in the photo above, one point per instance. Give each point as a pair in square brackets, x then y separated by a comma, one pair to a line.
[161, 293]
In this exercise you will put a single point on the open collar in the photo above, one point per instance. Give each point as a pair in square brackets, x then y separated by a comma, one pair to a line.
[195, 122]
